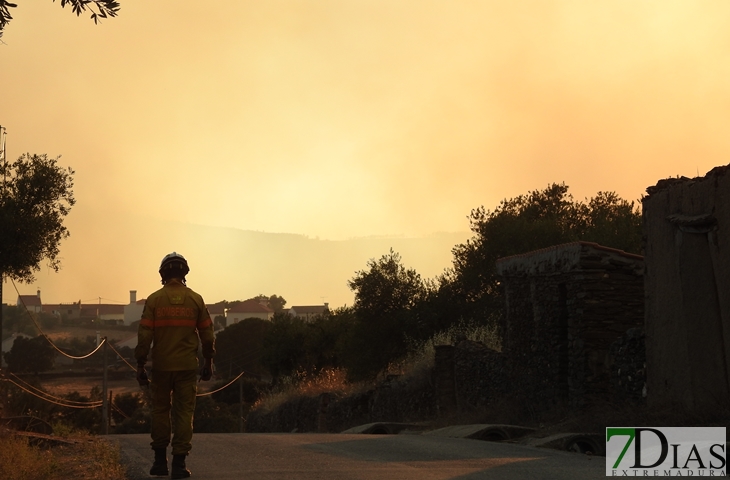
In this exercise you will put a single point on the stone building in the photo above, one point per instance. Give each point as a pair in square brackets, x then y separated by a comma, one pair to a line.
[687, 228]
[565, 305]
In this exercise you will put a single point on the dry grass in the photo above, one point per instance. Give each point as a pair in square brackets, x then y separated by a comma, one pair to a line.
[417, 365]
[87, 458]
[420, 360]
[330, 380]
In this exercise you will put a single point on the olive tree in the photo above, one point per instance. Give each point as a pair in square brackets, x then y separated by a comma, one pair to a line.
[36, 194]
[35, 197]
[99, 9]
[386, 298]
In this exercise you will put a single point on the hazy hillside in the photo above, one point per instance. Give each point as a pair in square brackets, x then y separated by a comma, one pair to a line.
[123, 254]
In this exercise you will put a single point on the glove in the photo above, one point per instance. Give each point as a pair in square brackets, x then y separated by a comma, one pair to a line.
[142, 377]
[207, 371]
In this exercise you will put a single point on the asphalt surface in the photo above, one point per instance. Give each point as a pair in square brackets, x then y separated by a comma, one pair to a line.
[221, 456]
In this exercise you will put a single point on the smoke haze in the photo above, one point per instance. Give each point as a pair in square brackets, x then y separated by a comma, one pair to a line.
[338, 120]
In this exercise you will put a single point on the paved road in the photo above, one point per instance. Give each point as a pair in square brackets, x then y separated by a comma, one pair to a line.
[218, 456]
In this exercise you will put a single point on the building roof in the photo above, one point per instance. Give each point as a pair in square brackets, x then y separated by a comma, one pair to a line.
[564, 257]
[250, 306]
[309, 309]
[30, 300]
[51, 308]
[216, 308]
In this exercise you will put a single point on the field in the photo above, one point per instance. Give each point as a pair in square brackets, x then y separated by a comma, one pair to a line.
[118, 382]
[64, 379]
[112, 333]
[83, 385]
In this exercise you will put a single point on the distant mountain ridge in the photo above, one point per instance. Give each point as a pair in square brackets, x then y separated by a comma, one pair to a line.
[226, 263]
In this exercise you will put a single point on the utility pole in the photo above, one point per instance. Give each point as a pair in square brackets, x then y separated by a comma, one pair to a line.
[1, 322]
[105, 404]
[240, 404]
[4, 160]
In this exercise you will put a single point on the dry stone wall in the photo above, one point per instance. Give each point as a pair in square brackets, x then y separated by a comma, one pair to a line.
[480, 378]
[628, 367]
[565, 306]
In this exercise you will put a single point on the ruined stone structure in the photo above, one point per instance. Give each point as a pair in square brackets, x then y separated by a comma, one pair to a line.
[628, 368]
[565, 306]
[687, 228]
[468, 376]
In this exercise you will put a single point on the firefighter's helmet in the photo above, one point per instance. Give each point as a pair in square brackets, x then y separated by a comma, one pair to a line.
[173, 262]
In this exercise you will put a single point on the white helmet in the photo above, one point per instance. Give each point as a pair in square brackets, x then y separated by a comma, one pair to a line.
[173, 261]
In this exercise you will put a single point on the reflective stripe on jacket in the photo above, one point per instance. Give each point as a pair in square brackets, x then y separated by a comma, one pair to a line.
[173, 323]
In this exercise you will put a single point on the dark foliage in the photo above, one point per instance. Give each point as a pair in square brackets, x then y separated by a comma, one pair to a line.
[239, 347]
[529, 222]
[99, 9]
[30, 355]
[36, 196]
[386, 299]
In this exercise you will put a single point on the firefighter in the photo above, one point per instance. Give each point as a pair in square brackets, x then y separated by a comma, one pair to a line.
[173, 323]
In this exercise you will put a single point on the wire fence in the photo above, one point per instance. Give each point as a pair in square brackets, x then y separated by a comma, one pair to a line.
[72, 404]
[52, 399]
[40, 330]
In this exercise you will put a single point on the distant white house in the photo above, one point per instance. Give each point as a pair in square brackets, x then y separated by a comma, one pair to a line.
[31, 302]
[248, 309]
[133, 310]
[108, 313]
[308, 312]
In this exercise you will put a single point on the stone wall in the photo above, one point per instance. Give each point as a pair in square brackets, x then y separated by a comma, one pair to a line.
[565, 306]
[475, 373]
[479, 376]
[478, 379]
[687, 228]
[628, 368]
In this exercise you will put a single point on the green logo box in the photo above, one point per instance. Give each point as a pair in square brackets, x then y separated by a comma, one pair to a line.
[666, 452]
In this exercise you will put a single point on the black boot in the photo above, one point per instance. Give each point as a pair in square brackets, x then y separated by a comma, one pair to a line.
[178, 467]
[159, 468]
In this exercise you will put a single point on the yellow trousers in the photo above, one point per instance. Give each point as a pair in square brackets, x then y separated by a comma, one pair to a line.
[173, 405]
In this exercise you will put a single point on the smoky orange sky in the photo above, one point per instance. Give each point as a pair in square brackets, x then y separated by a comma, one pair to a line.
[345, 119]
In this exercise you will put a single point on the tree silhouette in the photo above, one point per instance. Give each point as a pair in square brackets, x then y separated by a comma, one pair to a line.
[35, 196]
[98, 8]
[30, 355]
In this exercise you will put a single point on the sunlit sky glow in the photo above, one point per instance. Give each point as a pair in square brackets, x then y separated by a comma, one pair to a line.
[349, 118]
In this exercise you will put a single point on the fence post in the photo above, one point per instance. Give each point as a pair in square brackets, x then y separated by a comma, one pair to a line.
[105, 403]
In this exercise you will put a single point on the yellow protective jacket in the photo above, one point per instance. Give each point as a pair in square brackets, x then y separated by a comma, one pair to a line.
[174, 320]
